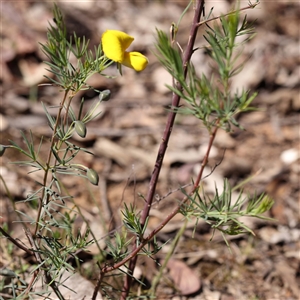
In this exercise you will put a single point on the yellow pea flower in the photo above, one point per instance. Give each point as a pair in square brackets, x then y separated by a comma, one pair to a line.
[114, 45]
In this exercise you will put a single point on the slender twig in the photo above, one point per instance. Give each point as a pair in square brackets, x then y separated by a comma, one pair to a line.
[14, 241]
[158, 198]
[250, 5]
[165, 139]
[99, 280]
[205, 159]
[30, 284]
[168, 256]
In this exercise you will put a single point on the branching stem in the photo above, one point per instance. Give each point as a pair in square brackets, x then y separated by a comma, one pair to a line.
[134, 253]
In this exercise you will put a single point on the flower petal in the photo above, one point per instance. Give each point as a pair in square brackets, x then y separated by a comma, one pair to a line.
[135, 60]
[114, 44]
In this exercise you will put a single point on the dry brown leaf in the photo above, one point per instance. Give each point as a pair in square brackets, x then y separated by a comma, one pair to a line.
[184, 278]
[288, 276]
[75, 287]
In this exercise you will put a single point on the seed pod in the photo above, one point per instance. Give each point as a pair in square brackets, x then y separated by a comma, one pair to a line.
[104, 95]
[92, 176]
[2, 150]
[80, 128]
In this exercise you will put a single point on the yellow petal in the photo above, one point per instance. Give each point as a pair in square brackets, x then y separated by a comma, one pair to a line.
[135, 60]
[114, 44]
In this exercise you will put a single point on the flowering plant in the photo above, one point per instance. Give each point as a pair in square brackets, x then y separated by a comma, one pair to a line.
[52, 233]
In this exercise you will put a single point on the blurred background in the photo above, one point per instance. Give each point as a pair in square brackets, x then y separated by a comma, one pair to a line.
[126, 136]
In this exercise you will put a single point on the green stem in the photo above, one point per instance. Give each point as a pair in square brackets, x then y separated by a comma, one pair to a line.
[47, 167]
[174, 244]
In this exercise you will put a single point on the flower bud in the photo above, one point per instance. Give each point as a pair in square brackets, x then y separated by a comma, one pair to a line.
[92, 176]
[2, 150]
[104, 95]
[80, 128]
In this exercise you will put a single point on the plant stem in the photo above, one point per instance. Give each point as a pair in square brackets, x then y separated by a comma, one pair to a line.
[205, 159]
[47, 168]
[97, 287]
[15, 242]
[164, 144]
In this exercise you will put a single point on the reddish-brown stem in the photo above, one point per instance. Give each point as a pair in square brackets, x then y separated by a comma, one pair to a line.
[171, 117]
[97, 287]
[205, 159]
[164, 144]
[19, 245]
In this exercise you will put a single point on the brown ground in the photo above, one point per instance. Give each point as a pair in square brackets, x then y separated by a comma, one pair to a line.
[126, 137]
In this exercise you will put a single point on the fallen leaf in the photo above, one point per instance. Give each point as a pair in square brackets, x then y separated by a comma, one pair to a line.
[74, 287]
[184, 278]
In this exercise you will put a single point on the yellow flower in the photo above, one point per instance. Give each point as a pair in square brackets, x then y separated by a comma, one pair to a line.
[115, 43]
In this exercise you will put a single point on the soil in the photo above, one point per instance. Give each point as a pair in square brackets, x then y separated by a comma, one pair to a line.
[126, 136]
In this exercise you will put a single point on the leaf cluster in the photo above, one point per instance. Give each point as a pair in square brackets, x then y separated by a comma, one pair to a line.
[62, 50]
[222, 212]
[210, 99]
